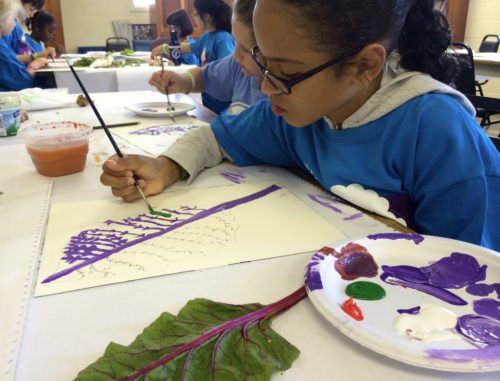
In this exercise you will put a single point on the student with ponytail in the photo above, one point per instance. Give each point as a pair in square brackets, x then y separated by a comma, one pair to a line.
[357, 97]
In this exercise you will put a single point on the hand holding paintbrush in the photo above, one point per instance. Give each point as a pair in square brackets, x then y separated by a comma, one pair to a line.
[170, 108]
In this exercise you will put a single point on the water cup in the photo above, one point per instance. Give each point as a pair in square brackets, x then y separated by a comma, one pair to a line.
[10, 114]
[58, 148]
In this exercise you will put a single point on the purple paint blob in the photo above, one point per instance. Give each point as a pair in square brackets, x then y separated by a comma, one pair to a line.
[481, 289]
[355, 216]
[355, 265]
[456, 271]
[408, 273]
[313, 276]
[487, 307]
[417, 238]
[481, 329]
[489, 354]
[409, 311]
[111, 241]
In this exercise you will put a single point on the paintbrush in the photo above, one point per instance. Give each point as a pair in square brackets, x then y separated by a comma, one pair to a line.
[111, 139]
[170, 108]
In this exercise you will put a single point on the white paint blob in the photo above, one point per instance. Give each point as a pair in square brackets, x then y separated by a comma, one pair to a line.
[432, 323]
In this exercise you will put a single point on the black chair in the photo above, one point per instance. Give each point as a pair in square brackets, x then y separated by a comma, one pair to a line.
[465, 82]
[117, 44]
[489, 44]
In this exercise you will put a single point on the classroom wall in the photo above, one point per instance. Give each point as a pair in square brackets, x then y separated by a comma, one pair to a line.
[483, 18]
[88, 23]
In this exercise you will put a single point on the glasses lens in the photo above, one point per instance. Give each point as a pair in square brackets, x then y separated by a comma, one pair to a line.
[278, 83]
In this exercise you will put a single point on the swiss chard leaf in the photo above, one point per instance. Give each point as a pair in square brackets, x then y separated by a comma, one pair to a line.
[205, 341]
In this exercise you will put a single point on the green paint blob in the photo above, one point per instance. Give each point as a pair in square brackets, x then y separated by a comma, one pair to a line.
[365, 291]
[156, 213]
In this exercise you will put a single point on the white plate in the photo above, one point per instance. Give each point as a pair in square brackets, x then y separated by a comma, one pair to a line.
[159, 109]
[326, 290]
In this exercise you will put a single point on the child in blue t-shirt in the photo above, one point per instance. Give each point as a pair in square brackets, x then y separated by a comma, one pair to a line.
[235, 79]
[42, 27]
[368, 115]
[214, 16]
[14, 75]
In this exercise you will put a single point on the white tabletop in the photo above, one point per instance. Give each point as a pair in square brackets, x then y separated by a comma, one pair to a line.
[62, 334]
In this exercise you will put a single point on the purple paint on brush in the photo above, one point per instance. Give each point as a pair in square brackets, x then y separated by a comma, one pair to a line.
[480, 289]
[456, 271]
[313, 276]
[489, 354]
[410, 311]
[480, 329]
[487, 307]
[417, 238]
[326, 202]
[114, 242]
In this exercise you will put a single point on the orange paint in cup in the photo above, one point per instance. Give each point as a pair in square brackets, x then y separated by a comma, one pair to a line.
[59, 148]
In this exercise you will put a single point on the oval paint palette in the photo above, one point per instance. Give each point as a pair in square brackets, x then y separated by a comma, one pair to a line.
[159, 109]
[421, 297]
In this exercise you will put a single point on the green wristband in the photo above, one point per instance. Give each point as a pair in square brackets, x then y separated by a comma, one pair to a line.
[184, 174]
[164, 49]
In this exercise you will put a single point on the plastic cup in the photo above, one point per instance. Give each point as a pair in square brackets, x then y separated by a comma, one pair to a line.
[58, 148]
[10, 114]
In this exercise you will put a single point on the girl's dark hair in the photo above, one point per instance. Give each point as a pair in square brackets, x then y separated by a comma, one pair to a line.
[243, 11]
[419, 33]
[218, 9]
[180, 19]
[39, 20]
[38, 4]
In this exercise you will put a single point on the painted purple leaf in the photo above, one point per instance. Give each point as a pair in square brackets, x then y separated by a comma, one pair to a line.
[205, 341]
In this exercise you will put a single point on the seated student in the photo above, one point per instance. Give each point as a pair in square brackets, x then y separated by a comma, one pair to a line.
[42, 26]
[376, 128]
[216, 43]
[14, 75]
[17, 40]
[234, 79]
[184, 28]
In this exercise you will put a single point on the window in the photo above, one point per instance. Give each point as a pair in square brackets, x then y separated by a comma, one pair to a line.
[143, 3]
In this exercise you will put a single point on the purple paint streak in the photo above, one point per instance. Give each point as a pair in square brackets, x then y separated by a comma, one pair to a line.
[355, 216]
[480, 329]
[409, 311]
[326, 202]
[236, 177]
[163, 130]
[487, 307]
[485, 355]
[417, 238]
[77, 249]
[313, 276]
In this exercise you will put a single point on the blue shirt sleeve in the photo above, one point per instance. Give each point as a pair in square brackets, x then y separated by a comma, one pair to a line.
[223, 46]
[254, 136]
[34, 45]
[13, 74]
[218, 78]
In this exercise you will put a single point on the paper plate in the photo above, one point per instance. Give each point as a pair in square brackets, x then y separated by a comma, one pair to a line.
[326, 290]
[159, 109]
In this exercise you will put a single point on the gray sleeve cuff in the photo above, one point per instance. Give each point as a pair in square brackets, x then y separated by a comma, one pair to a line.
[196, 150]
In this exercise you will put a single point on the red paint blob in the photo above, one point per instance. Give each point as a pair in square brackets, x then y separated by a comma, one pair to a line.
[352, 309]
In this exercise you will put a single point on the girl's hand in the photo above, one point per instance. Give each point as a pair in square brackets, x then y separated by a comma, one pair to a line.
[153, 174]
[48, 52]
[39, 63]
[174, 82]
[157, 51]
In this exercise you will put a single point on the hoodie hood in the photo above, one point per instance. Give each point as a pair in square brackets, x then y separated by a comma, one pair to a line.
[399, 86]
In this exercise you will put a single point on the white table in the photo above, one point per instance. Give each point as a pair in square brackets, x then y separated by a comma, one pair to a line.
[64, 333]
[104, 80]
[487, 65]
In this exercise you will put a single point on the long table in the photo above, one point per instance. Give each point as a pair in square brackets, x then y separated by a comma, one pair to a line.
[487, 65]
[51, 338]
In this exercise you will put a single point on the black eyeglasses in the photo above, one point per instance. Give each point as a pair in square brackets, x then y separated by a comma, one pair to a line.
[285, 85]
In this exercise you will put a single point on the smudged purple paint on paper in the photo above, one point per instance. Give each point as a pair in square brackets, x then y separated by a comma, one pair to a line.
[93, 245]
[326, 202]
[164, 130]
[417, 238]
[489, 354]
[234, 176]
[480, 329]
[410, 311]
[313, 276]
[355, 216]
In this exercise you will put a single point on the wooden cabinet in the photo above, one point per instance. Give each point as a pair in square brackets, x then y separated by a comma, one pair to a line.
[456, 10]
[165, 7]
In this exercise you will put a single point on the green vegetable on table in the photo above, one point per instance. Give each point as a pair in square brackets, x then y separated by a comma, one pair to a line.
[205, 341]
[127, 52]
[84, 62]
